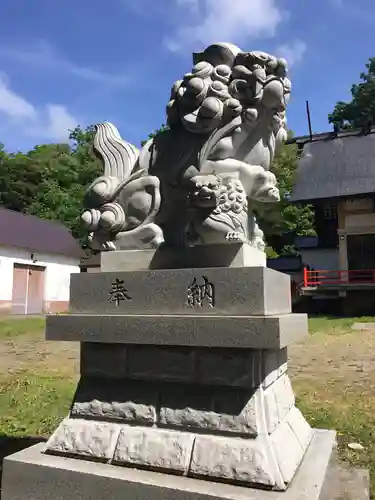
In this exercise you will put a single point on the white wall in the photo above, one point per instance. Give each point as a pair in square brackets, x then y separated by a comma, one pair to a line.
[57, 273]
[321, 259]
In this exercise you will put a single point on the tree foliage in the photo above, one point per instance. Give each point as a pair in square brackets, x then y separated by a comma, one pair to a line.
[50, 180]
[283, 219]
[156, 132]
[360, 111]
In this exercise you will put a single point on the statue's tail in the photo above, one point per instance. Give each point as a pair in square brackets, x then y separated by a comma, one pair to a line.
[119, 156]
[123, 193]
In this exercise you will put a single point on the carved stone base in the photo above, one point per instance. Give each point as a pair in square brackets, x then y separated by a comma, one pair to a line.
[260, 461]
[33, 475]
[216, 414]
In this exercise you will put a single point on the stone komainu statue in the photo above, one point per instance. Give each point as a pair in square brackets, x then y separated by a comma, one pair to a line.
[194, 183]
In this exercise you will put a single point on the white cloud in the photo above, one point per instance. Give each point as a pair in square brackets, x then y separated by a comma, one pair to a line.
[49, 122]
[209, 21]
[57, 122]
[293, 52]
[43, 55]
[12, 104]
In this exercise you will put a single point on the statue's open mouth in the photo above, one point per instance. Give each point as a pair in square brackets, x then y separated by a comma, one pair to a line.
[206, 200]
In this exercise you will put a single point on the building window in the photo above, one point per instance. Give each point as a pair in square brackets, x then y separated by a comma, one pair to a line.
[326, 224]
[330, 212]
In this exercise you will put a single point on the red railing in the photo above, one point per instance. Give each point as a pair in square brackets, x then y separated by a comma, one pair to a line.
[317, 278]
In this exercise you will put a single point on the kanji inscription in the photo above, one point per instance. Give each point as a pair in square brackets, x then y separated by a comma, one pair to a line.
[118, 292]
[201, 294]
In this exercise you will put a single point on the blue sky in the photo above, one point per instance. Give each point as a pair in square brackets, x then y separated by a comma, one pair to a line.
[70, 62]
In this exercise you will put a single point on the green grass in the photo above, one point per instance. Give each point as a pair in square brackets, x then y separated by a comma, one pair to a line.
[351, 415]
[13, 327]
[34, 405]
[333, 325]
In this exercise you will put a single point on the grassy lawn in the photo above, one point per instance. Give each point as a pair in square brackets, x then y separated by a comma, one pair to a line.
[332, 325]
[350, 413]
[38, 392]
[331, 392]
[33, 405]
[20, 326]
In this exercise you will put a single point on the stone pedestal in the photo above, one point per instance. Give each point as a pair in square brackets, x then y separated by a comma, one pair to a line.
[233, 255]
[183, 373]
[33, 475]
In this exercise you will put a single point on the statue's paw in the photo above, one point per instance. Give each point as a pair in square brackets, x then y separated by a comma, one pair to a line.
[109, 245]
[102, 190]
[100, 242]
[271, 178]
[145, 236]
[234, 236]
[271, 195]
[274, 194]
[152, 235]
[259, 244]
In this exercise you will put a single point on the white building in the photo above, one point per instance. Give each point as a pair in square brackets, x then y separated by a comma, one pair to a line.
[37, 258]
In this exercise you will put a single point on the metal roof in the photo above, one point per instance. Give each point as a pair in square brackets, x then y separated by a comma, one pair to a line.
[321, 136]
[24, 231]
[336, 167]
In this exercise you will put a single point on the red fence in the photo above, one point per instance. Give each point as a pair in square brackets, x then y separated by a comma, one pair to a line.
[317, 278]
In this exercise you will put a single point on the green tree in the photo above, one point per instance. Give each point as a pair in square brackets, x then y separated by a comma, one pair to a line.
[19, 179]
[156, 132]
[67, 172]
[279, 219]
[360, 110]
[50, 180]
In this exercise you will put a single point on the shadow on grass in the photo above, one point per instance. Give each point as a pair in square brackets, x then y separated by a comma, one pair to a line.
[12, 444]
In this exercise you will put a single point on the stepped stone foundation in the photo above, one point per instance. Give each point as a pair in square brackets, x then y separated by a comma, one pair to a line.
[184, 384]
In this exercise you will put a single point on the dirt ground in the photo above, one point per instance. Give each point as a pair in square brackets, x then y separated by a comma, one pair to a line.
[347, 358]
[25, 353]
